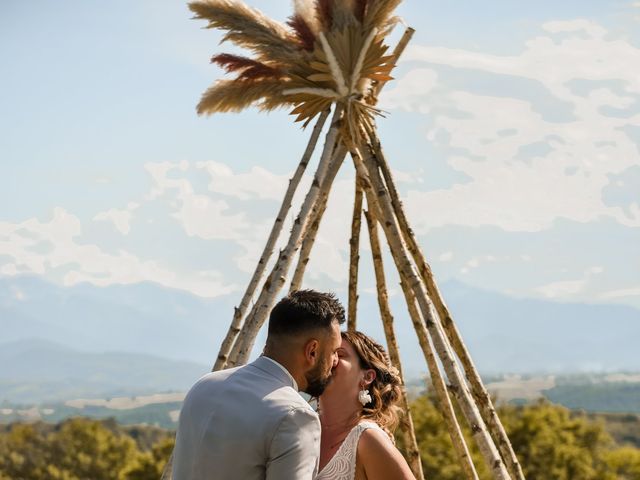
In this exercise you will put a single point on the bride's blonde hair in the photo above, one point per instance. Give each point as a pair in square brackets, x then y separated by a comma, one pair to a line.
[385, 390]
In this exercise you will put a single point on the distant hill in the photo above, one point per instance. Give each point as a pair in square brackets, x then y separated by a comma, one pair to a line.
[504, 334]
[36, 371]
[141, 318]
[530, 336]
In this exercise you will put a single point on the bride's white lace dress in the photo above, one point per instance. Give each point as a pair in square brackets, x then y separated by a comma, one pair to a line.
[342, 465]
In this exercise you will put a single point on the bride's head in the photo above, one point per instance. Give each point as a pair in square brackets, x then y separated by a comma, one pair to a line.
[363, 364]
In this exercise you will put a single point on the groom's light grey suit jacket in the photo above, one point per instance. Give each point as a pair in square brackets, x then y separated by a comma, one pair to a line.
[246, 423]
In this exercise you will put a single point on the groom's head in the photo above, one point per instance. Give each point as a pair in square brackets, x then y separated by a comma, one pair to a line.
[304, 334]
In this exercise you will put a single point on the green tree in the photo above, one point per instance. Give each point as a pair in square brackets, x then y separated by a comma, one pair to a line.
[552, 443]
[24, 453]
[88, 449]
[149, 465]
[77, 449]
[624, 463]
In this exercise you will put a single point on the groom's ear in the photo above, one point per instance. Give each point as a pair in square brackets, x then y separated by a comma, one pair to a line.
[312, 351]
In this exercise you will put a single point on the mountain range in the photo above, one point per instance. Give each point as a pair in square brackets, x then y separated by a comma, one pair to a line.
[143, 331]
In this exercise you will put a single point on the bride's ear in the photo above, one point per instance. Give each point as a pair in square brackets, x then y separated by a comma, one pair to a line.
[369, 376]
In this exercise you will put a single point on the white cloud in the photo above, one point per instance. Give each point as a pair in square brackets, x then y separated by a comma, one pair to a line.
[579, 25]
[159, 175]
[446, 256]
[200, 215]
[562, 289]
[479, 260]
[211, 216]
[257, 183]
[411, 91]
[473, 263]
[46, 248]
[121, 219]
[9, 269]
[566, 179]
[568, 289]
[553, 62]
[621, 293]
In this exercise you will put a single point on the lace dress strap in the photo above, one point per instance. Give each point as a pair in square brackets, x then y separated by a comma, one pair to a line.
[342, 465]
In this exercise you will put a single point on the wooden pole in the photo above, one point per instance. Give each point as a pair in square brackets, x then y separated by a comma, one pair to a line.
[354, 257]
[276, 280]
[354, 241]
[437, 380]
[258, 315]
[453, 334]
[406, 426]
[378, 201]
[240, 310]
[310, 234]
[397, 53]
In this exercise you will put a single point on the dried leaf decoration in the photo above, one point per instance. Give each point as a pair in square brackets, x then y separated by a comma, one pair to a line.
[330, 51]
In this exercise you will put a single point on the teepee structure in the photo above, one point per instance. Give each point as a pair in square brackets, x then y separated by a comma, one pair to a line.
[329, 64]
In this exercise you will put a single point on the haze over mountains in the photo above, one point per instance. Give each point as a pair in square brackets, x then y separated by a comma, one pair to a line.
[162, 339]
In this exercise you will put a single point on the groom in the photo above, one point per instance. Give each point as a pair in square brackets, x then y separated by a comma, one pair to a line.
[250, 422]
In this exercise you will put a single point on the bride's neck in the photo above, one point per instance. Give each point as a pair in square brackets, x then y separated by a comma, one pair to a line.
[336, 414]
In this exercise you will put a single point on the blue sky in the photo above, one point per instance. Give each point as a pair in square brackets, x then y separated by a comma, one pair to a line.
[513, 129]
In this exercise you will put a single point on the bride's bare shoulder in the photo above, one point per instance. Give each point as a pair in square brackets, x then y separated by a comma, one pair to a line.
[380, 459]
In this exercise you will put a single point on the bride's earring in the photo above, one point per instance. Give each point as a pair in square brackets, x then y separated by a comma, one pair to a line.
[364, 397]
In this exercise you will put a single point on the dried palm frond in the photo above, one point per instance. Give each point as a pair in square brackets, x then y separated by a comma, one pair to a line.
[307, 10]
[236, 95]
[376, 65]
[309, 105]
[336, 68]
[302, 31]
[324, 13]
[359, 9]
[248, 68]
[334, 53]
[248, 28]
[343, 14]
[357, 69]
[379, 14]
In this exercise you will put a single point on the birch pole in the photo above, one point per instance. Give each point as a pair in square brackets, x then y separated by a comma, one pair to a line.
[479, 392]
[448, 413]
[239, 311]
[314, 223]
[378, 198]
[354, 241]
[397, 53]
[258, 318]
[354, 256]
[407, 429]
[277, 278]
[437, 380]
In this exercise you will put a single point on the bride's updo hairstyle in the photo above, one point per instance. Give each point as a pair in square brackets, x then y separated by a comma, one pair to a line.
[385, 390]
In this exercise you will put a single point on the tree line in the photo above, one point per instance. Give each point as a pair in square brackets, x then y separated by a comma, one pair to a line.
[551, 442]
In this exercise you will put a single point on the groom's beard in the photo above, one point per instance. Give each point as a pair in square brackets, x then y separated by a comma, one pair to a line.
[317, 381]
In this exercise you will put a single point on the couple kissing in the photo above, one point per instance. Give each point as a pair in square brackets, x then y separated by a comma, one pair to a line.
[251, 422]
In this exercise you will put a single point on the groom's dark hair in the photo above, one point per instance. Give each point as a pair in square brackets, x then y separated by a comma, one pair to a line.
[304, 310]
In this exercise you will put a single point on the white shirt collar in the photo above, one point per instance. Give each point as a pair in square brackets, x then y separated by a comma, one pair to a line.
[295, 384]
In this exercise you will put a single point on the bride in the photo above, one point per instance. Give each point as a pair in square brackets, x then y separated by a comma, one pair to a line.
[358, 414]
